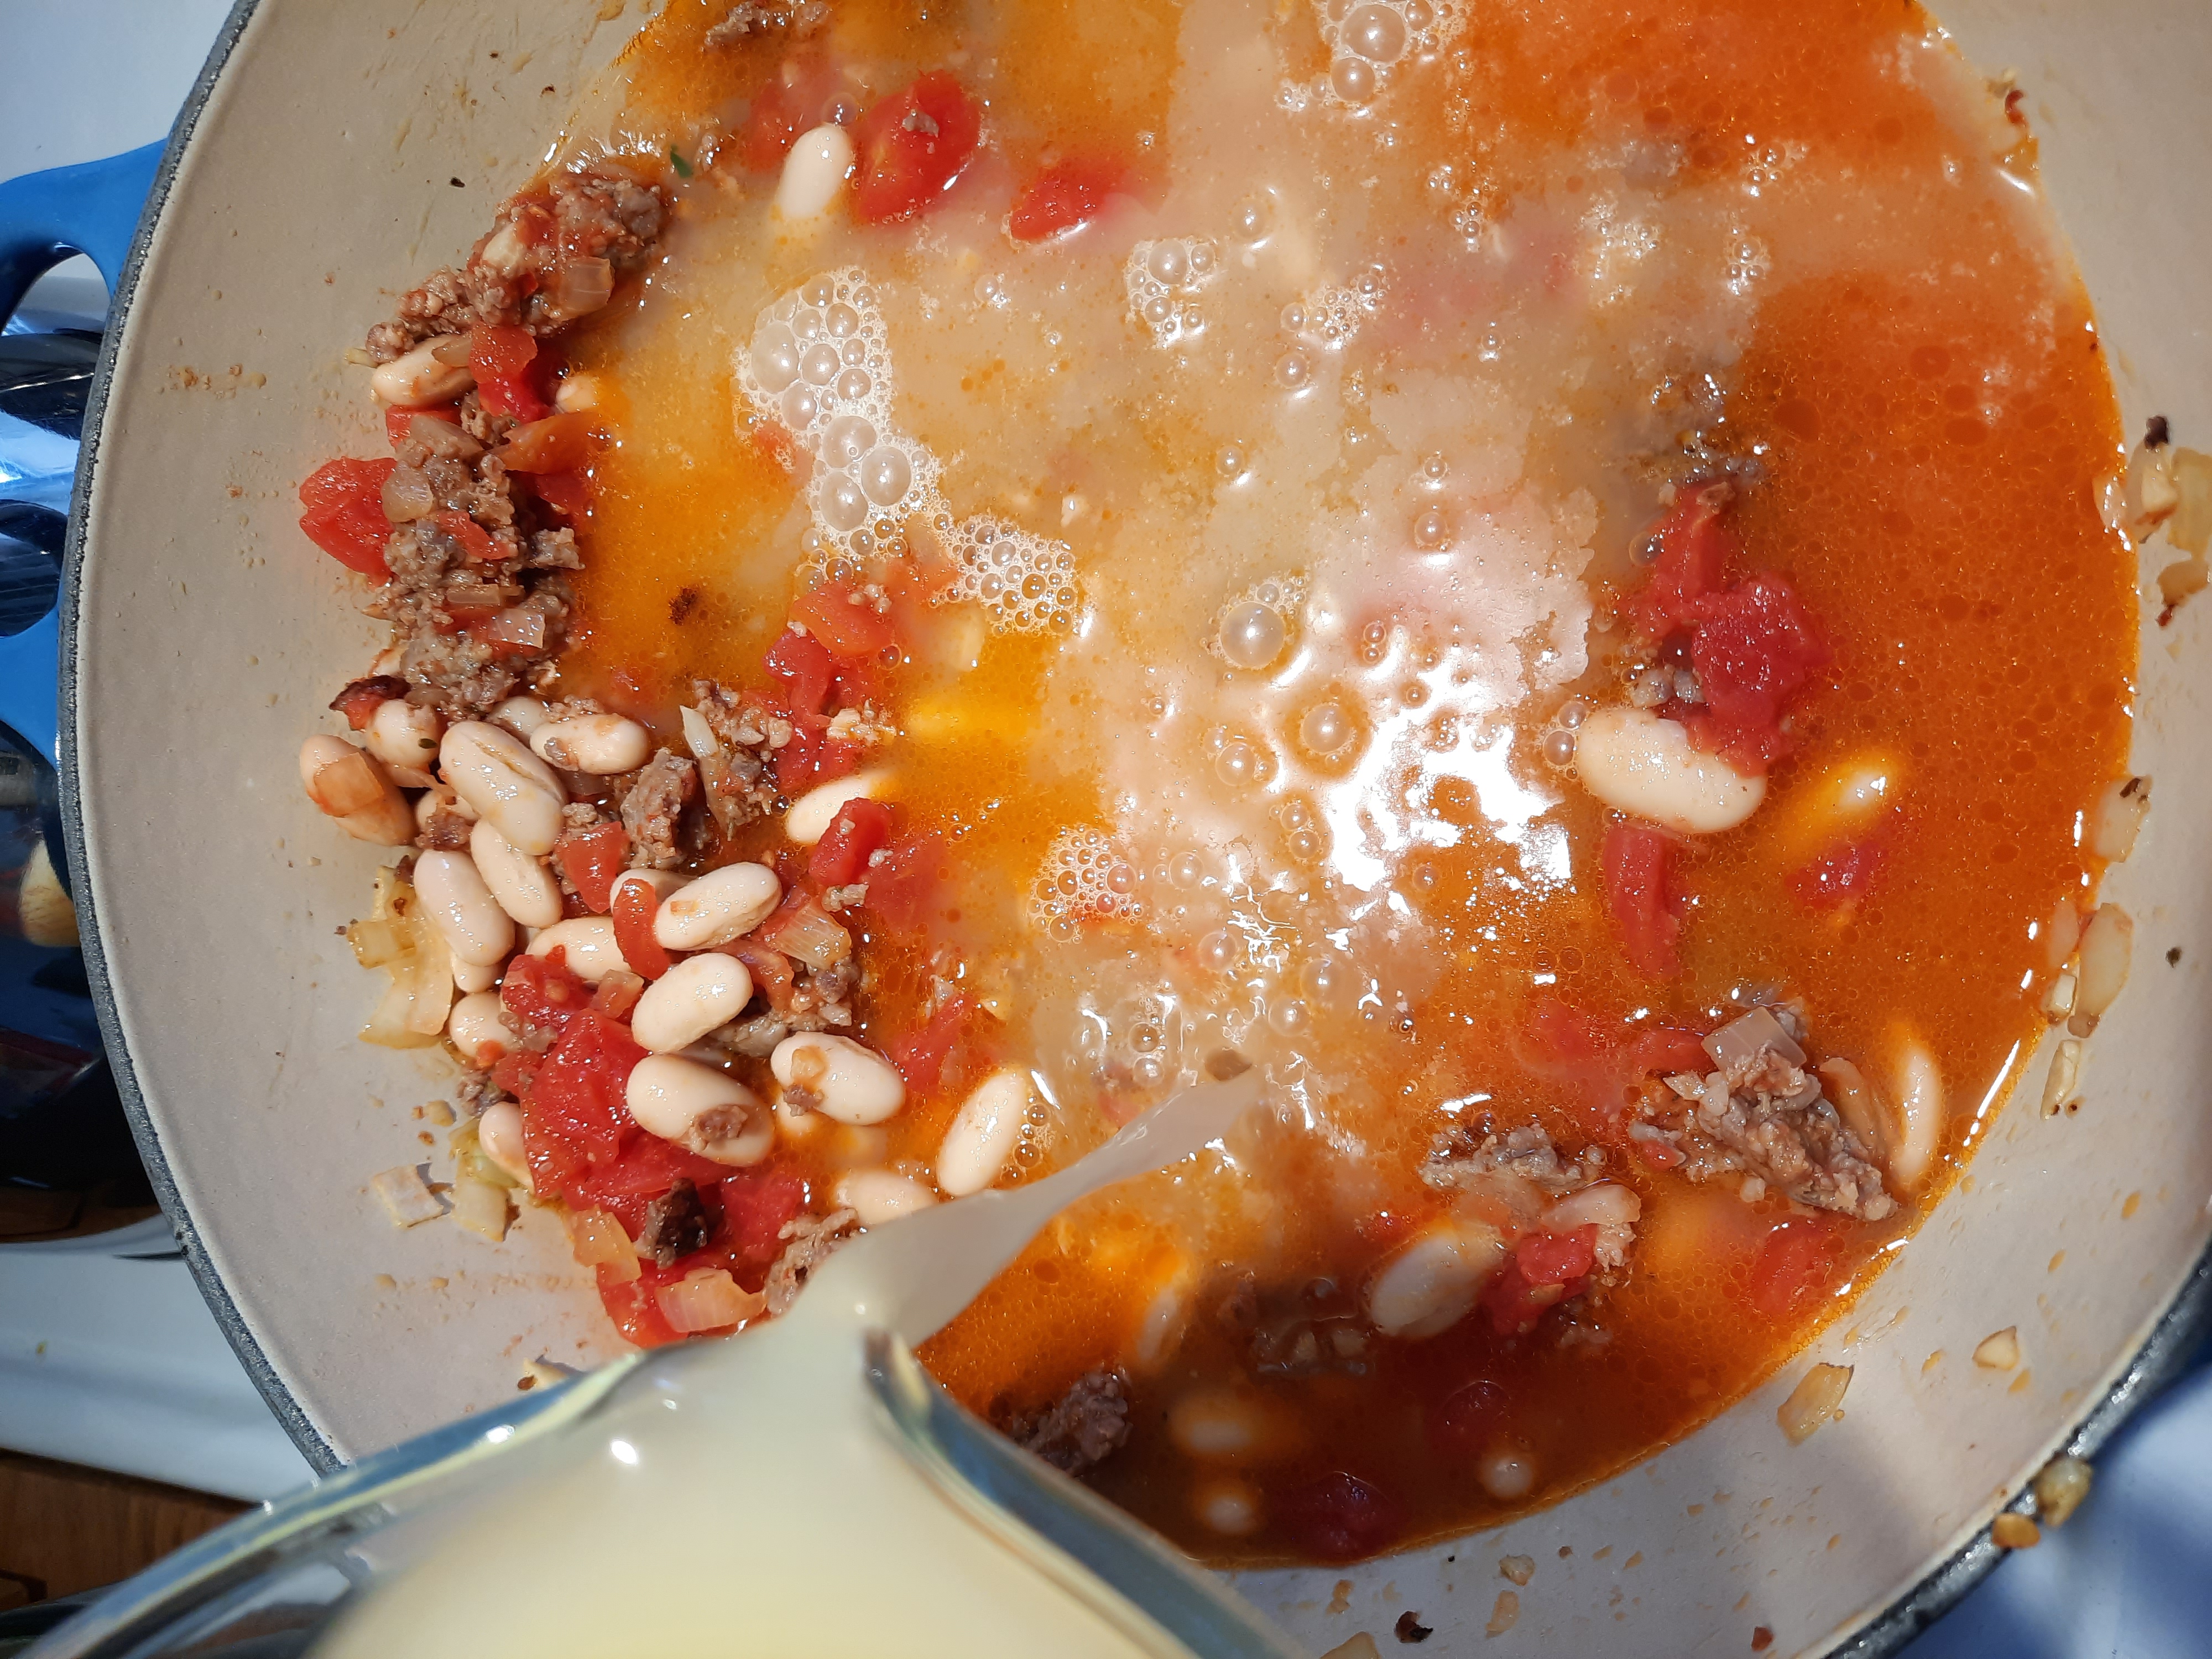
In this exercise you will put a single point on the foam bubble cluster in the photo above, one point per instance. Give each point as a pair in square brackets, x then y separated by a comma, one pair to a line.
[1330, 317]
[1367, 39]
[1083, 878]
[819, 366]
[1165, 279]
[1026, 583]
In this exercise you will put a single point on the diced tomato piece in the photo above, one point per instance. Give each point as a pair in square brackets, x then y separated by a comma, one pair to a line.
[1465, 1422]
[1796, 1264]
[399, 420]
[907, 889]
[360, 699]
[634, 909]
[541, 991]
[806, 668]
[517, 399]
[756, 1206]
[648, 1167]
[1665, 1049]
[787, 107]
[569, 494]
[1694, 543]
[1839, 877]
[1658, 1154]
[475, 544]
[636, 1310]
[556, 443]
[591, 858]
[911, 147]
[840, 857]
[1545, 1269]
[514, 1070]
[574, 1118]
[500, 353]
[846, 627]
[1755, 647]
[1341, 1517]
[1636, 860]
[344, 499]
[1068, 194]
[920, 1056]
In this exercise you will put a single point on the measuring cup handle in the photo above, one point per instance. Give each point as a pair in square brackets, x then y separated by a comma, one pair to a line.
[91, 208]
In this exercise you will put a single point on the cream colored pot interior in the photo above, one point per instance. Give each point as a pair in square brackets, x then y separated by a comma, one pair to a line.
[207, 636]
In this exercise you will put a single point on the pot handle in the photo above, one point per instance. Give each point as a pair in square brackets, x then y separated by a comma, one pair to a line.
[91, 208]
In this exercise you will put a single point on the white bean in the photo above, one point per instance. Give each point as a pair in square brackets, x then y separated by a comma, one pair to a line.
[841, 1078]
[1216, 1426]
[1430, 1286]
[984, 1130]
[813, 812]
[1227, 1505]
[719, 906]
[690, 1000]
[602, 745]
[814, 173]
[1506, 1472]
[491, 771]
[700, 1107]
[405, 737]
[469, 977]
[1638, 763]
[422, 376]
[875, 1196]
[462, 909]
[521, 715]
[521, 884]
[475, 1025]
[578, 390]
[350, 786]
[499, 1136]
[589, 942]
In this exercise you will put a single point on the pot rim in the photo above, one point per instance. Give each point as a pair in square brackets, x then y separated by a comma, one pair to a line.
[2173, 1337]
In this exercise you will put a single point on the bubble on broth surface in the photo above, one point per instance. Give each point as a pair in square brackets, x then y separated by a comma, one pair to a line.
[1330, 317]
[1084, 879]
[1255, 627]
[1370, 38]
[1163, 278]
[1025, 584]
[819, 365]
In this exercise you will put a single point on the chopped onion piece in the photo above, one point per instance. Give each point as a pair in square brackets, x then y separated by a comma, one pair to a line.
[379, 940]
[2148, 496]
[2117, 818]
[521, 625]
[1743, 1039]
[807, 933]
[1920, 1115]
[1857, 1104]
[1819, 1397]
[2060, 1488]
[699, 736]
[597, 1241]
[1999, 1350]
[582, 286]
[481, 1208]
[2065, 1073]
[452, 349]
[708, 1300]
[407, 494]
[2184, 579]
[2108, 945]
[2190, 529]
[2065, 932]
[447, 439]
[407, 1196]
[346, 787]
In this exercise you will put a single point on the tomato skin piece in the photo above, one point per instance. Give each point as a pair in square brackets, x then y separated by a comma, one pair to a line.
[344, 499]
[756, 1206]
[906, 890]
[1064, 197]
[1796, 1264]
[840, 857]
[633, 908]
[912, 146]
[569, 494]
[500, 352]
[1755, 647]
[806, 668]
[591, 858]
[1636, 861]
[1341, 1517]
[476, 545]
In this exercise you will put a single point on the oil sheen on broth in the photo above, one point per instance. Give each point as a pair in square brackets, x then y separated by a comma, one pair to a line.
[1329, 452]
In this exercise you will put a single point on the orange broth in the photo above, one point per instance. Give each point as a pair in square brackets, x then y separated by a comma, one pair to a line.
[1583, 208]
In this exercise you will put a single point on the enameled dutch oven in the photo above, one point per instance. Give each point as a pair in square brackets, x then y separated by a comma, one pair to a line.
[332, 155]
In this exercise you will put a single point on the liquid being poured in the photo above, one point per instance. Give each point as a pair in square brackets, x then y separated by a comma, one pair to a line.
[753, 1487]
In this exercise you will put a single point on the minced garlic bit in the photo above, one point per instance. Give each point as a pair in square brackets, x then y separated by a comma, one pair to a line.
[2014, 1531]
[1999, 1350]
[1504, 1615]
[1518, 1568]
[1819, 1397]
[407, 1196]
[2065, 1073]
